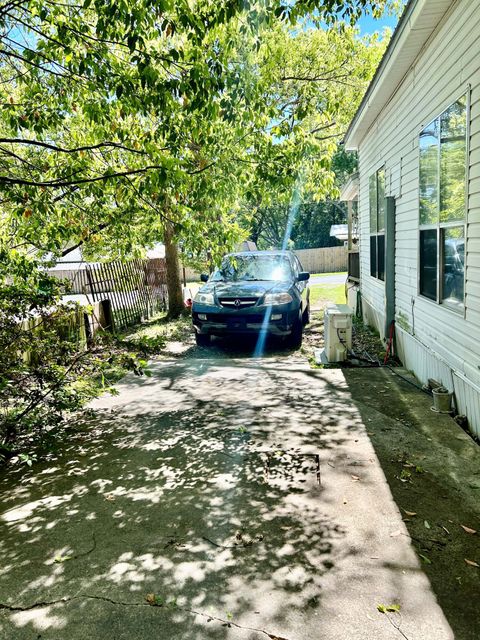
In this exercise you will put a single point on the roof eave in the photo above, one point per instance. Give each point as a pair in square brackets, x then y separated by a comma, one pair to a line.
[410, 36]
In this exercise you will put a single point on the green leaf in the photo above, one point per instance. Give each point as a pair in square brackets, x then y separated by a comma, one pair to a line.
[60, 559]
[388, 608]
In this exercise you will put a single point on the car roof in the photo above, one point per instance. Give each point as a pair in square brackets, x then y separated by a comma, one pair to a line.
[278, 252]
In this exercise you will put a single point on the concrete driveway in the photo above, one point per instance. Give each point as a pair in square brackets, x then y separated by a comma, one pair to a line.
[218, 499]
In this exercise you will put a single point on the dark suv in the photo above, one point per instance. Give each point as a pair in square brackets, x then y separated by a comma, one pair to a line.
[253, 291]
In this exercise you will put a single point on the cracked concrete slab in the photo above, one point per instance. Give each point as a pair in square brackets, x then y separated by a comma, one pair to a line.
[197, 490]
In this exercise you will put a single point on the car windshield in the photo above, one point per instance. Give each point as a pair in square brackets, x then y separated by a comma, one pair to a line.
[254, 267]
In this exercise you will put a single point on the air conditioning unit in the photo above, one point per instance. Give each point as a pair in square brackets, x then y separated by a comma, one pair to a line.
[338, 332]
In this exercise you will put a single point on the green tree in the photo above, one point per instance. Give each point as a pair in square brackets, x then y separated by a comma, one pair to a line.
[319, 77]
[111, 110]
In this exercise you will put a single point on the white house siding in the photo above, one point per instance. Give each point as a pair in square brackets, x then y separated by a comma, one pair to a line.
[433, 341]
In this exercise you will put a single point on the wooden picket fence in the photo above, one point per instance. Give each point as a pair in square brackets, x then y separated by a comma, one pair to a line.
[135, 289]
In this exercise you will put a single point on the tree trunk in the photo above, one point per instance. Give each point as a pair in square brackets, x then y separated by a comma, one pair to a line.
[174, 284]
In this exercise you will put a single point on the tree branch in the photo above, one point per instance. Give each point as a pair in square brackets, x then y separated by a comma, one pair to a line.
[68, 183]
[196, 171]
[100, 227]
[11, 54]
[100, 145]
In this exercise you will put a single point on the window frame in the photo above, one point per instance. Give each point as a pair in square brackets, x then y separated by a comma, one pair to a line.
[378, 232]
[459, 308]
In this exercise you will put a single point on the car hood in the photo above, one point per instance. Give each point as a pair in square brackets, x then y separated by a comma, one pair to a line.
[245, 288]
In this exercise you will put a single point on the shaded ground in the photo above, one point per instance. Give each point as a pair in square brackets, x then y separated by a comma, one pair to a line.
[233, 498]
[433, 470]
[242, 499]
[180, 341]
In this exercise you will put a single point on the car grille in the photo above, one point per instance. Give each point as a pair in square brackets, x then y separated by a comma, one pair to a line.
[238, 303]
[223, 318]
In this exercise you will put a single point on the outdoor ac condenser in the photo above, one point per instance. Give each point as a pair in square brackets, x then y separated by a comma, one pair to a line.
[338, 332]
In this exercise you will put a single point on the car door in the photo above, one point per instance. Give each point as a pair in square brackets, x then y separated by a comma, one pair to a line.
[302, 287]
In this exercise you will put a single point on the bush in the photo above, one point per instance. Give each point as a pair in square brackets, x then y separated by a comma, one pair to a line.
[47, 370]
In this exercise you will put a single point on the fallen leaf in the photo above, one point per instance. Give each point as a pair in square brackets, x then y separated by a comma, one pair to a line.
[468, 529]
[60, 559]
[395, 534]
[446, 530]
[472, 563]
[388, 608]
[355, 478]
[110, 498]
[426, 524]
[425, 559]
[154, 600]
[410, 514]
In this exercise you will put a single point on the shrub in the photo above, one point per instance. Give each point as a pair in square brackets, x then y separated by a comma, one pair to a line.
[47, 370]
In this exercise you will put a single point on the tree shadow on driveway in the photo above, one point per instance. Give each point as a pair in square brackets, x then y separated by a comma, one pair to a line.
[214, 500]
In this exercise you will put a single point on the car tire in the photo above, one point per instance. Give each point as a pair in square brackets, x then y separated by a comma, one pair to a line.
[202, 339]
[294, 340]
[306, 315]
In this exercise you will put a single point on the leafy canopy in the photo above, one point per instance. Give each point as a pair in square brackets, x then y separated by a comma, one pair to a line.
[118, 117]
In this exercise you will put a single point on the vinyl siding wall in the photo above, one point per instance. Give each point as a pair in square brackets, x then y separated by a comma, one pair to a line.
[433, 341]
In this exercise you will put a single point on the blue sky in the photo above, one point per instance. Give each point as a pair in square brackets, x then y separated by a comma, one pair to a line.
[368, 24]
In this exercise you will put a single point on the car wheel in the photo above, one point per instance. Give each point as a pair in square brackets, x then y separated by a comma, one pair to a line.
[202, 339]
[306, 315]
[294, 340]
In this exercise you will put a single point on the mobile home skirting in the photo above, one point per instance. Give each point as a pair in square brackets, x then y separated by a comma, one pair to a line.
[426, 364]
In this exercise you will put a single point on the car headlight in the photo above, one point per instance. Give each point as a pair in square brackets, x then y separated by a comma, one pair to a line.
[204, 298]
[277, 298]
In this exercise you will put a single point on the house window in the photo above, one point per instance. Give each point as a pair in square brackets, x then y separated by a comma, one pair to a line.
[377, 224]
[442, 205]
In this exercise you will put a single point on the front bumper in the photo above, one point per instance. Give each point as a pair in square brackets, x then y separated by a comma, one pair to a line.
[277, 320]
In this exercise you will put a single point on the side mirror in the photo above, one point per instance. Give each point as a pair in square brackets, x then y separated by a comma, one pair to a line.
[303, 276]
[204, 277]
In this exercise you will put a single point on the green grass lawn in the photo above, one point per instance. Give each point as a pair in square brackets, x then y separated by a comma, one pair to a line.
[321, 294]
[335, 273]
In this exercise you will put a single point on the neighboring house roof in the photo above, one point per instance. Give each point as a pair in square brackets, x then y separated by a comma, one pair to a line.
[339, 231]
[349, 191]
[247, 245]
[419, 20]
[74, 259]
[157, 251]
